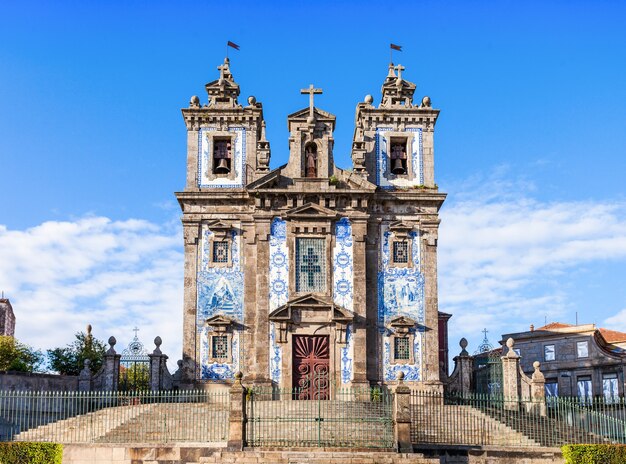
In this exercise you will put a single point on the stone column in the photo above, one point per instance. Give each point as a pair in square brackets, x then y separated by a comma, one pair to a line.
[111, 367]
[402, 415]
[237, 419]
[359, 325]
[157, 361]
[538, 390]
[257, 307]
[431, 306]
[191, 232]
[510, 378]
[85, 378]
[461, 379]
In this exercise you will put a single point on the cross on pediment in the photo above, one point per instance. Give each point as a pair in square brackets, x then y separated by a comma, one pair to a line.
[309, 267]
[311, 91]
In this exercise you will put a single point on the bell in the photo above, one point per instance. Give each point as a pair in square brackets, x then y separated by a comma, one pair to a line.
[397, 167]
[222, 167]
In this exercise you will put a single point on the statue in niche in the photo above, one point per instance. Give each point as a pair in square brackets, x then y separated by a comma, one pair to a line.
[311, 160]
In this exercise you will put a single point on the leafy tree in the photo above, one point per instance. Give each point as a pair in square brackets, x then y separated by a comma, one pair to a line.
[16, 356]
[71, 359]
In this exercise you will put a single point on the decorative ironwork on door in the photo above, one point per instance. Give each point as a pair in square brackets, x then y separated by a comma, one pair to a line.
[311, 356]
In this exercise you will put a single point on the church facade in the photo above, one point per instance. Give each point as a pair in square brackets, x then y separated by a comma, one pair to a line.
[310, 276]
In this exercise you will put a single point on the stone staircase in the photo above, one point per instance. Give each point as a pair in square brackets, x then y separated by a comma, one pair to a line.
[348, 424]
[463, 425]
[145, 423]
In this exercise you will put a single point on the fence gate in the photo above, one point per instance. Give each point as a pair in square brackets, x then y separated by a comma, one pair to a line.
[488, 373]
[350, 417]
[134, 367]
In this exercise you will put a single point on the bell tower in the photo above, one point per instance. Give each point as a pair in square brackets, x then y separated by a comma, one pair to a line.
[310, 142]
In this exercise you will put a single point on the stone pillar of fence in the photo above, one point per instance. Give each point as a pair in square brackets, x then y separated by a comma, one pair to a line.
[111, 366]
[460, 381]
[538, 391]
[402, 415]
[157, 366]
[510, 378]
[237, 417]
[85, 378]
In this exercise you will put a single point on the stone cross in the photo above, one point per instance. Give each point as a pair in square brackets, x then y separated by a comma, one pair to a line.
[310, 267]
[485, 332]
[311, 91]
[399, 68]
[136, 329]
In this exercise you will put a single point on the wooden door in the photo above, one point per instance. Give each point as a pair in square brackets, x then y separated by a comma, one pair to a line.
[311, 358]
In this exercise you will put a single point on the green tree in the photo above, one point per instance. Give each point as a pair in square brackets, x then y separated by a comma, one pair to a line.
[71, 359]
[16, 356]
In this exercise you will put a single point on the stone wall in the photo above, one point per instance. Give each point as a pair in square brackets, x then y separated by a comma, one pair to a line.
[22, 381]
[114, 454]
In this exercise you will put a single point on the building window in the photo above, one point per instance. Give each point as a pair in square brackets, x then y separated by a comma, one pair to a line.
[311, 265]
[552, 388]
[584, 389]
[398, 157]
[220, 347]
[548, 353]
[401, 252]
[582, 349]
[610, 388]
[401, 350]
[220, 252]
[222, 156]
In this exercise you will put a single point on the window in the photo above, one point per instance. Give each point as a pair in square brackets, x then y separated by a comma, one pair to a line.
[552, 388]
[610, 388]
[220, 252]
[401, 351]
[401, 252]
[311, 265]
[585, 393]
[398, 157]
[220, 347]
[582, 349]
[548, 353]
[222, 156]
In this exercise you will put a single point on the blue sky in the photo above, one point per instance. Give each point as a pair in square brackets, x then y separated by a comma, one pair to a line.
[530, 147]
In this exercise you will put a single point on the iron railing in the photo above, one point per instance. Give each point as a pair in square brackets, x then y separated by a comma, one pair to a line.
[479, 419]
[115, 417]
[342, 417]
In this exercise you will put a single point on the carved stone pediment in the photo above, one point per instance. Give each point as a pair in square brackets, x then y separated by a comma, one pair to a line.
[320, 115]
[220, 322]
[402, 324]
[310, 309]
[311, 211]
[400, 226]
[218, 225]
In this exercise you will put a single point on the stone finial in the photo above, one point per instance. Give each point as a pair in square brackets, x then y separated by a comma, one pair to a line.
[252, 100]
[157, 342]
[369, 99]
[194, 102]
[511, 353]
[532, 327]
[400, 377]
[112, 342]
[463, 345]
[537, 374]
[238, 377]
[88, 329]
[426, 103]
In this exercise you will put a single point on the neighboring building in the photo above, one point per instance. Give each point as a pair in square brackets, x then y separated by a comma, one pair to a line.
[310, 269]
[7, 318]
[576, 360]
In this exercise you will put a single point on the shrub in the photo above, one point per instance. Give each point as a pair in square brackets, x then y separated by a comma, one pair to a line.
[592, 454]
[30, 453]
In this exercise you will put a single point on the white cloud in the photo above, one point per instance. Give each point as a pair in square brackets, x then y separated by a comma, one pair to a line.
[61, 276]
[501, 254]
[617, 321]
